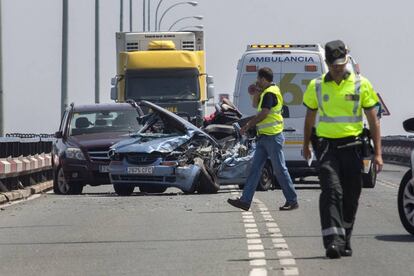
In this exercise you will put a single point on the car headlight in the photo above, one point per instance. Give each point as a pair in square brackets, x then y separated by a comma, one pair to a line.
[74, 153]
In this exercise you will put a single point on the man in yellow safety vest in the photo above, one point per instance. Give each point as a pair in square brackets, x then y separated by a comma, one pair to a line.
[269, 124]
[339, 97]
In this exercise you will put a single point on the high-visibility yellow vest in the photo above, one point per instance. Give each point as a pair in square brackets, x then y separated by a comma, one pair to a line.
[340, 109]
[273, 123]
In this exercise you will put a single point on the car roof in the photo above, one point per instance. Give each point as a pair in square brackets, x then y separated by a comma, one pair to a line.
[102, 107]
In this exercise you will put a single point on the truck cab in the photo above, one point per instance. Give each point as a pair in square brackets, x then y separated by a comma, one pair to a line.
[166, 68]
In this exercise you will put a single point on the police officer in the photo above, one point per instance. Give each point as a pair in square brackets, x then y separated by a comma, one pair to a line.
[269, 124]
[339, 97]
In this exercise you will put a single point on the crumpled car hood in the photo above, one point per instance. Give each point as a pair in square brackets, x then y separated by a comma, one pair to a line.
[150, 144]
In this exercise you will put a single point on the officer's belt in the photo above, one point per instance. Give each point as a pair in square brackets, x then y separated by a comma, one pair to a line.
[342, 142]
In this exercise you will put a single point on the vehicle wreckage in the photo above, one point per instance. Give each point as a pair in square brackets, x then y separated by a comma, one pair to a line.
[169, 151]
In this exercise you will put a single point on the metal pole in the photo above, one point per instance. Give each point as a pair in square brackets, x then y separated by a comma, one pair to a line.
[143, 15]
[149, 15]
[64, 77]
[121, 16]
[1, 81]
[130, 15]
[96, 51]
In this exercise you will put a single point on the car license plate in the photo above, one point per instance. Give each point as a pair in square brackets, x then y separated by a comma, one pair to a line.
[140, 170]
[103, 169]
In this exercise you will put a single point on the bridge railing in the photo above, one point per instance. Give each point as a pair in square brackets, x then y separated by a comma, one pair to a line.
[25, 160]
[397, 149]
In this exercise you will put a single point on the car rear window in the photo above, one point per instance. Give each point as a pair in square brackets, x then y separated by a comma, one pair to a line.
[104, 121]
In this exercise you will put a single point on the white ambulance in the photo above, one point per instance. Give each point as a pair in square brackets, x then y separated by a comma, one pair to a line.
[293, 66]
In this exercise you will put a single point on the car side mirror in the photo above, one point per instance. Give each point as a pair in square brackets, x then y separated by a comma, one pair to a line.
[210, 87]
[59, 134]
[408, 125]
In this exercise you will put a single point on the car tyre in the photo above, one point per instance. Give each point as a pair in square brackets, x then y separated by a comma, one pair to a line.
[266, 178]
[62, 187]
[369, 179]
[124, 189]
[405, 202]
[152, 189]
[207, 183]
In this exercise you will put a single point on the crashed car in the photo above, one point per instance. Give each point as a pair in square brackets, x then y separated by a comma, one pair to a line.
[169, 151]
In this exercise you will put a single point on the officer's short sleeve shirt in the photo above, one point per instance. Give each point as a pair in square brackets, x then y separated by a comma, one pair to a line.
[309, 98]
[369, 98]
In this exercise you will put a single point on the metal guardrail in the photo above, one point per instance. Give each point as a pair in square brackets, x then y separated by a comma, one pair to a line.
[25, 160]
[397, 149]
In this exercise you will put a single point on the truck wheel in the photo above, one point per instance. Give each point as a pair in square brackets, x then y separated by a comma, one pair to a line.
[406, 202]
[207, 180]
[124, 189]
[152, 189]
[369, 179]
[62, 187]
[266, 177]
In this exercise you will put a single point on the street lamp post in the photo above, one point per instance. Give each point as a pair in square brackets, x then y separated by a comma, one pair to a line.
[96, 51]
[1, 82]
[64, 72]
[156, 14]
[121, 16]
[199, 17]
[195, 26]
[192, 3]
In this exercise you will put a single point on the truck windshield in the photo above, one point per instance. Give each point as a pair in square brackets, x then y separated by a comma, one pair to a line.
[162, 85]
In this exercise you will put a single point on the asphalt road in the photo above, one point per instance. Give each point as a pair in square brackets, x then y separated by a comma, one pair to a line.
[99, 233]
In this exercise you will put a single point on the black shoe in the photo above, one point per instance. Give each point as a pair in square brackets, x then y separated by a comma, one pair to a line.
[289, 206]
[239, 204]
[333, 252]
[347, 251]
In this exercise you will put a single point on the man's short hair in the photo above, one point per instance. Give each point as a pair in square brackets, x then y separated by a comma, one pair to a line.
[266, 73]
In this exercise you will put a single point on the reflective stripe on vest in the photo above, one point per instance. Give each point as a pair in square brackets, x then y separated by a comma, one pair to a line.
[339, 119]
[268, 125]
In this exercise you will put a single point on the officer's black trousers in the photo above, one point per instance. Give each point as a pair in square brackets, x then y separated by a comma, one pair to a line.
[341, 184]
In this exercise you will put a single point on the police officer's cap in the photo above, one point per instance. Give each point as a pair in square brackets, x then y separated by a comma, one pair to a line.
[336, 53]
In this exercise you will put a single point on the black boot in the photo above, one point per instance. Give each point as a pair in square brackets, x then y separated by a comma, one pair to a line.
[347, 251]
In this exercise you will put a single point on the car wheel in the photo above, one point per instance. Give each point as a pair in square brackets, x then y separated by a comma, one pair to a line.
[62, 187]
[406, 202]
[207, 183]
[152, 189]
[124, 189]
[369, 179]
[266, 178]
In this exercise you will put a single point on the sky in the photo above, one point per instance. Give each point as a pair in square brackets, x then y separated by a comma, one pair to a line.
[379, 35]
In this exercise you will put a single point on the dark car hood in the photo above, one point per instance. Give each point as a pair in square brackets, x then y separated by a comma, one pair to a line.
[97, 139]
[150, 144]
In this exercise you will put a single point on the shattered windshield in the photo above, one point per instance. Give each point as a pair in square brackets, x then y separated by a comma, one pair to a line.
[162, 85]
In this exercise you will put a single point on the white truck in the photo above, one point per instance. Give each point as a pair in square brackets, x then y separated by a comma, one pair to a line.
[293, 66]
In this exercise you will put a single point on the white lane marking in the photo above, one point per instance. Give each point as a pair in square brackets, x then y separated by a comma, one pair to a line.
[247, 213]
[253, 236]
[256, 254]
[273, 230]
[258, 262]
[248, 220]
[271, 224]
[252, 230]
[234, 193]
[288, 271]
[265, 212]
[287, 261]
[263, 209]
[258, 272]
[284, 253]
[250, 225]
[254, 241]
[248, 217]
[257, 247]
[278, 240]
[387, 184]
[280, 246]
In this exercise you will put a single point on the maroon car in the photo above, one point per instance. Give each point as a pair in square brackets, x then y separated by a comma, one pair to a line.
[80, 152]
